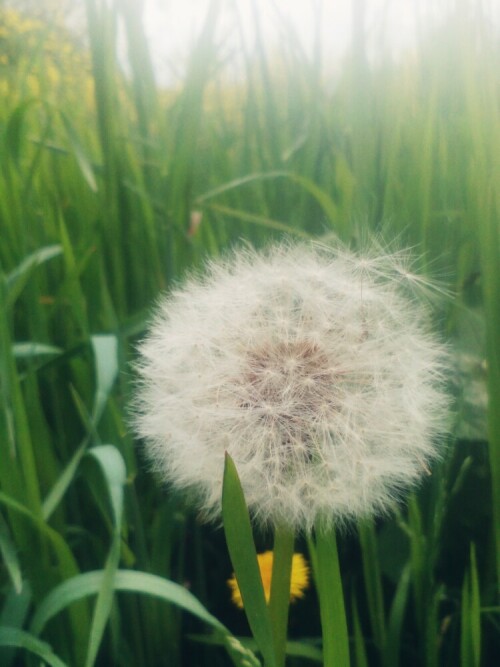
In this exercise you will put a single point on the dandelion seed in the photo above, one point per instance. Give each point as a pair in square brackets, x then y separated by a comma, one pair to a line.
[299, 581]
[316, 369]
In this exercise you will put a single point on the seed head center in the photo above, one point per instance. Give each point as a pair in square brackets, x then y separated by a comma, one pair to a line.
[288, 381]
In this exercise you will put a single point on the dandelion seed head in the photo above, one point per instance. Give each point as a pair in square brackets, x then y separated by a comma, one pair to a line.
[316, 369]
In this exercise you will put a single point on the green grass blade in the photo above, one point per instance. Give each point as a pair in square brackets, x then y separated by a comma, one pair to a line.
[320, 195]
[14, 130]
[261, 220]
[26, 641]
[30, 349]
[130, 581]
[18, 473]
[66, 561]
[106, 370]
[279, 600]
[105, 349]
[396, 618]
[9, 555]
[331, 601]
[373, 580]
[17, 279]
[294, 649]
[114, 472]
[359, 649]
[57, 492]
[15, 610]
[78, 151]
[470, 636]
[239, 538]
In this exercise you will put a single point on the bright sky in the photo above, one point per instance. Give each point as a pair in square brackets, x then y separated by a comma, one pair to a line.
[390, 25]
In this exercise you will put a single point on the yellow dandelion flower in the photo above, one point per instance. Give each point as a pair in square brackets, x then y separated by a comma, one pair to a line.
[299, 579]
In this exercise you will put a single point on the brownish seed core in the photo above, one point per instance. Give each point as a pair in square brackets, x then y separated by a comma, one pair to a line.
[289, 383]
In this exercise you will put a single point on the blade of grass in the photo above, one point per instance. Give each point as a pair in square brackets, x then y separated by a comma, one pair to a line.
[105, 349]
[9, 556]
[331, 601]
[131, 581]
[66, 560]
[26, 641]
[30, 349]
[78, 151]
[114, 472]
[360, 657]
[373, 581]
[470, 636]
[257, 220]
[239, 538]
[17, 279]
[392, 651]
[280, 589]
[15, 610]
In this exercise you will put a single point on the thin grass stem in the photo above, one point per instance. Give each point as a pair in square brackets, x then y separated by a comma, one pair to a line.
[331, 601]
[280, 589]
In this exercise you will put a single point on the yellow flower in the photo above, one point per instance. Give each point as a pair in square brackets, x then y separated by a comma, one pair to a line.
[299, 579]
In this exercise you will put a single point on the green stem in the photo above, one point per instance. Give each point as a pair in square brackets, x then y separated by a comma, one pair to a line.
[373, 580]
[331, 601]
[279, 601]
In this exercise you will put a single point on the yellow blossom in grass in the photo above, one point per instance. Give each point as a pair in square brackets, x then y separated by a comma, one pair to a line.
[299, 579]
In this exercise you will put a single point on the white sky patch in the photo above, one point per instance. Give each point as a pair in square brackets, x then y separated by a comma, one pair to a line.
[390, 26]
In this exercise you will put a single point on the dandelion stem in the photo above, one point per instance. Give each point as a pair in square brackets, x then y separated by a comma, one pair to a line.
[331, 601]
[280, 589]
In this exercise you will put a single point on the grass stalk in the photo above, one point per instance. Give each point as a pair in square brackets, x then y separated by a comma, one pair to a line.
[279, 600]
[331, 600]
[106, 171]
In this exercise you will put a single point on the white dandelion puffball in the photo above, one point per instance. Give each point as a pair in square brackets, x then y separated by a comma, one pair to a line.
[315, 368]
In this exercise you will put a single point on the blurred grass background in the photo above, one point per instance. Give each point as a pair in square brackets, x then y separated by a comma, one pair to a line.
[111, 187]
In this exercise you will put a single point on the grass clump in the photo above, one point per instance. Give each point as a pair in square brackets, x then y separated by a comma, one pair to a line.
[111, 188]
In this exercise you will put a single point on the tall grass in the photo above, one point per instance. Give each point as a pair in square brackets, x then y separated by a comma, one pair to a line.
[106, 201]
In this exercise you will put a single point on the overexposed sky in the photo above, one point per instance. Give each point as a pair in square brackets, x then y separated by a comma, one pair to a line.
[390, 25]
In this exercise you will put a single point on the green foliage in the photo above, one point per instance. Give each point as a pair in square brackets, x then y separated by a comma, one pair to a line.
[111, 189]
[238, 531]
[328, 580]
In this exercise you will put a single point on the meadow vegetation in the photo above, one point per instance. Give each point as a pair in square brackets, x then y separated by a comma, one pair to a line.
[111, 188]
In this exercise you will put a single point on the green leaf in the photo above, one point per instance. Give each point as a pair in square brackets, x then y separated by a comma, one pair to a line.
[258, 220]
[238, 182]
[331, 601]
[279, 600]
[15, 610]
[14, 129]
[66, 561]
[294, 649]
[90, 583]
[81, 157]
[239, 538]
[24, 640]
[470, 637]
[396, 618]
[321, 196]
[361, 659]
[105, 349]
[247, 644]
[9, 555]
[373, 580]
[29, 349]
[57, 492]
[17, 279]
[114, 471]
